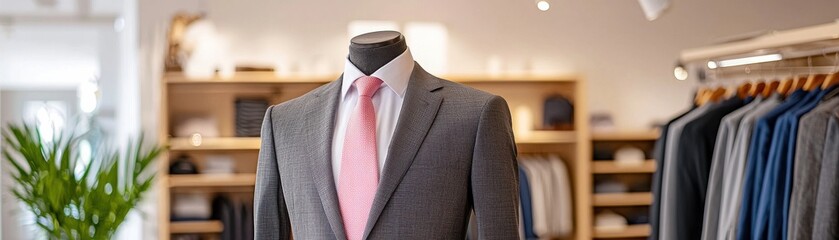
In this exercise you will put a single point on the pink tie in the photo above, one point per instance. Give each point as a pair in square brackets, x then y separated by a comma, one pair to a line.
[359, 175]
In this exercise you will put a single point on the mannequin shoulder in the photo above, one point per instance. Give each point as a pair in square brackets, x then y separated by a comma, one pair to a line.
[298, 104]
[454, 91]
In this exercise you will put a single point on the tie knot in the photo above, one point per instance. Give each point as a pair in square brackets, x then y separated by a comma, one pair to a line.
[368, 85]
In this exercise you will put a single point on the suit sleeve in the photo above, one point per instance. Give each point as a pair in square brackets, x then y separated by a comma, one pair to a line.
[494, 179]
[270, 214]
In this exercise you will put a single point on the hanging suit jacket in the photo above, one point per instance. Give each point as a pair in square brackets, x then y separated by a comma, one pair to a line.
[453, 152]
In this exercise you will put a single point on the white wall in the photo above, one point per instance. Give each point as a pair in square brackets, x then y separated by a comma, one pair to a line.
[627, 60]
[13, 215]
[45, 47]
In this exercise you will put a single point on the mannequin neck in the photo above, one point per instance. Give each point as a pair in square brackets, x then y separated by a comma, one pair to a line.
[370, 51]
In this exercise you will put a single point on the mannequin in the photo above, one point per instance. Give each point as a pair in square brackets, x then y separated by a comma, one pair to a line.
[371, 51]
[458, 153]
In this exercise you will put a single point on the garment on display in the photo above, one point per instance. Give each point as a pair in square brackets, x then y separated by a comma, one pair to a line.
[747, 162]
[218, 164]
[628, 156]
[249, 115]
[316, 179]
[183, 165]
[205, 126]
[559, 113]
[610, 187]
[546, 201]
[191, 207]
[236, 216]
[609, 221]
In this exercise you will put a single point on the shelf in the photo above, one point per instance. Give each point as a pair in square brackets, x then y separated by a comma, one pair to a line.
[210, 226]
[247, 77]
[212, 180]
[253, 143]
[625, 136]
[546, 137]
[270, 77]
[622, 199]
[227, 143]
[465, 78]
[631, 231]
[611, 166]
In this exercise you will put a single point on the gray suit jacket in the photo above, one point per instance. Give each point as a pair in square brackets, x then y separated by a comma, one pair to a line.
[453, 152]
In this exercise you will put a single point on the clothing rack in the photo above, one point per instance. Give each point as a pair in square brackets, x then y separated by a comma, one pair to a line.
[755, 166]
[807, 50]
[792, 43]
[736, 76]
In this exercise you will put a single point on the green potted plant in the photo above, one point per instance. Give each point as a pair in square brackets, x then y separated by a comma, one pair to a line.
[73, 199]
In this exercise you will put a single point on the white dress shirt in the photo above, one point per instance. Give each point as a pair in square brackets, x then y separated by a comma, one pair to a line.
[387, 102]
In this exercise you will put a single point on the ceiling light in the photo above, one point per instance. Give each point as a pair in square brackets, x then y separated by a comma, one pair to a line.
[750, 60]
[712, 65]
[543, 5]
[654, 8]
[680, 72]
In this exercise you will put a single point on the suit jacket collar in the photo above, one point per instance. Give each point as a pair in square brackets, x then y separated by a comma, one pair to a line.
[320, 116]
[418, 113]
[419, 110]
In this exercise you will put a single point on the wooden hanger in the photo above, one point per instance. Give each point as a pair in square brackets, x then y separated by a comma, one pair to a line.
[785, 85]
[797, 84]
[744, 90]
[831, 80]
[757, 89]
[814, 81]
[718, 94]
[771, 87]
[702, 96]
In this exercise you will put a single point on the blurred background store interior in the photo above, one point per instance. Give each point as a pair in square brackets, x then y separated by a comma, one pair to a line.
[54, 53]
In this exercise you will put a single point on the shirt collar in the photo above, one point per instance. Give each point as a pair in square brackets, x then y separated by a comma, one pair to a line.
[395, 74]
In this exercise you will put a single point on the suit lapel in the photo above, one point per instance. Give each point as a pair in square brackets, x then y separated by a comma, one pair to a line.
[320, 116]
[418, 112]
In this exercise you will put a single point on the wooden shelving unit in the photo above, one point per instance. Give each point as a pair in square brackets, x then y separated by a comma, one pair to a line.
[212, 180]
[226, 143]
[246, 77]
[549, 137]
[629, 202]
[625, 136]
[622, 199]
[612, 167]
[183, 227]
[631, 231]
[214, 97]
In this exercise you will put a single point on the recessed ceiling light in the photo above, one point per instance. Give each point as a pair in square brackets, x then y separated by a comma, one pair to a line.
[543, 5]
[712, 65]
[680, 73]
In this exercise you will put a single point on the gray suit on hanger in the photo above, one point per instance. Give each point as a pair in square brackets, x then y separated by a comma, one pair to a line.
[453, 151]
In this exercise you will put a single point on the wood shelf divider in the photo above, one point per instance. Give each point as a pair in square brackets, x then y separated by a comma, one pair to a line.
[613, 167]
[622, 199]
[209, 226]
[625, 136]
[545, 136]
[225, 143]
[212, 180]
[631, 231]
